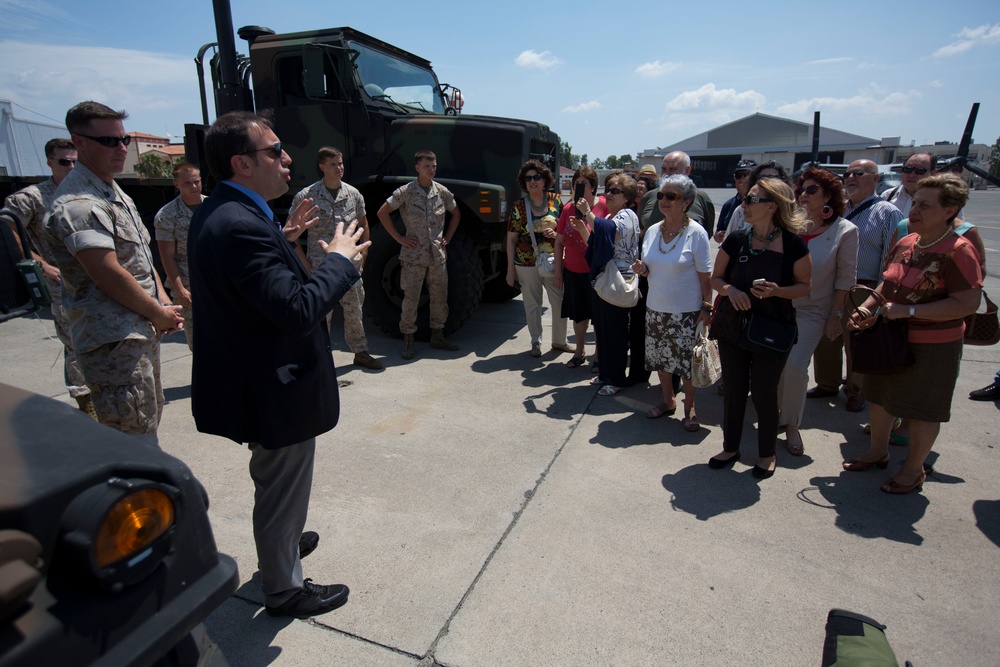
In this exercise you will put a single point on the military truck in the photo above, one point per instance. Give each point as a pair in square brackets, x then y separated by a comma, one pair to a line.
[380, 104]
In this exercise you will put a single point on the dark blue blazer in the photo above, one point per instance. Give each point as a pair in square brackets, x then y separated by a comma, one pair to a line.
[263, 368]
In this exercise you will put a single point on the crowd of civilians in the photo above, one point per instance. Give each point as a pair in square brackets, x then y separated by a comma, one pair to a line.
[790, 252]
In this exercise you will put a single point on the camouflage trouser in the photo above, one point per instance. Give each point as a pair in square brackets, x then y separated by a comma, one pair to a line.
[124, 381]
[72, 375]
[353, 303]
[411, 279]
[188, 315]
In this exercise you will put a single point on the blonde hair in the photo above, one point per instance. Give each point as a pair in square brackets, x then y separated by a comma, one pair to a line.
[788, 216]
[952, 190]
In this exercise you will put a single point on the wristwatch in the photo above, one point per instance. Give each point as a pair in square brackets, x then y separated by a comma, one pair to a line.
[913, 311]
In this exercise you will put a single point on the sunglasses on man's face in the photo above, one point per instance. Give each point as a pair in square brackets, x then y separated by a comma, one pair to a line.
[857, 173]
[110, 142]
[810, 190]
[528, 178]
[669, 196]
[274, 148]
[920, 171]
[66, 162]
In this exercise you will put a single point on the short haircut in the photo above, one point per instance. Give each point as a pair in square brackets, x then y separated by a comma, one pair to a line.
[326, 153]
[788, 216]
[683, 183]
[52, 145]
[185, 166]
[78, 118]
[952, 190]
[685, 160]
[648, 180]
[540, 168]
[831, 185]
[424, 155]
[932, 158]
[588, 174]
[627, 184]
[230, 135]
[770, 164]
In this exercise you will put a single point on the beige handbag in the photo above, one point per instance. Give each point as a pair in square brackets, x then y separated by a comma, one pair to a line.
[706, 368]
[614, 288]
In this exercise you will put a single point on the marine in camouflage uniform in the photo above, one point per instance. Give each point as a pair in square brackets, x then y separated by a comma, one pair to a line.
[339, 202]
[171, 226]
[31, 205]
[422, 204]
[115, 330]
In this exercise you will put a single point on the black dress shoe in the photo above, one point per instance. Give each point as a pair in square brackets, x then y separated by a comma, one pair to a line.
[990, 393]
[312, 600]
[855, 404]
[762, 473]
[308, 543]
[821, 392]
[719, 464]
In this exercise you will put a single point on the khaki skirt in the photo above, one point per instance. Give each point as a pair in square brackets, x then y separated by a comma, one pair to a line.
[924, 390]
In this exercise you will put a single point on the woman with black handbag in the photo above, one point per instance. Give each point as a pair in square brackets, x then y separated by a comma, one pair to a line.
[758, 273]
[932, 281]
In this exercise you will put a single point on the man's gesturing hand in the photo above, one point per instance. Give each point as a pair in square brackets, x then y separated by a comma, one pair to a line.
[345, 241]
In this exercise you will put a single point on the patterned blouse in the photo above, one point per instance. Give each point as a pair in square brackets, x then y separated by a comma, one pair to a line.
[524, 252]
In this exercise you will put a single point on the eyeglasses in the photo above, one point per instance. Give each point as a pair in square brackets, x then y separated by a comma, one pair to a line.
[275, 149]
[758, 200]
[110, 142]
[919, 170]
[810, 190]
[66, 162]
[669, 196]
[858, 173]
[741, 175]
[533, 177]
[613, 191]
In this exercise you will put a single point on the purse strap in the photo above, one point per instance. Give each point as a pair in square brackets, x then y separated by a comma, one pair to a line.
[531, 223]
[857, 295]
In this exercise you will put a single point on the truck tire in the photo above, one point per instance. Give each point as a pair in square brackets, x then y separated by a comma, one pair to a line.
[384, 297]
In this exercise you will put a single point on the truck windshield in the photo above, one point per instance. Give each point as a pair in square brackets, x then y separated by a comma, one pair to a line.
[387, 78]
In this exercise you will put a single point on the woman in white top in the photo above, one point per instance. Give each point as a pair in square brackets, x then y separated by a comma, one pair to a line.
[676, 259]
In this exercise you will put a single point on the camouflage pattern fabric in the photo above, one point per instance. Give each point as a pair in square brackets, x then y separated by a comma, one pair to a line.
[423, 216]
[171, 224]
[411, 280]
[124, 380]
[31, 204]
[89, 213]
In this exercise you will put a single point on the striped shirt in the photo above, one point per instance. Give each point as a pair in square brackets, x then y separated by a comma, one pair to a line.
[875, 227]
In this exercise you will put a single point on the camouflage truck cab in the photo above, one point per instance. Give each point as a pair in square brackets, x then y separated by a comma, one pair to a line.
[381, 105]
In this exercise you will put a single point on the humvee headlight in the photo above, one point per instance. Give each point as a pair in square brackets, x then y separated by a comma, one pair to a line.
[119, 531]
[132, 524]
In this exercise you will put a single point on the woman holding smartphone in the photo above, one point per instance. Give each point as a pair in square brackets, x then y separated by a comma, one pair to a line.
[758, 271]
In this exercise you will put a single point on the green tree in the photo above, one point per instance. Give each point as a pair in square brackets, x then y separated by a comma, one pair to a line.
[567, 158]
[995, 158]
[612, 162]
[625, 160]
[583, 159]
[598, 163]
[153, 166]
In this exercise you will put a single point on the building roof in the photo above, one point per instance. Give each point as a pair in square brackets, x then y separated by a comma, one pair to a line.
[760, 132]
[22, 143]
[171, 151]
[147, 137]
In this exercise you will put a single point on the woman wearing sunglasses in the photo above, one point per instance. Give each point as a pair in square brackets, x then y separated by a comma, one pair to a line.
[614, 238]
[757, 272]
[677, 262]
[531, 230]
[833, 247]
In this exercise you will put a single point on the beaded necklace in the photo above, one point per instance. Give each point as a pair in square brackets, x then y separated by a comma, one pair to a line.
[677, 235]
[766, 240]
[925, 246]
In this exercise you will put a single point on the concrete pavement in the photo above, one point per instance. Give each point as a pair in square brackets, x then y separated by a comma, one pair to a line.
[487, 508]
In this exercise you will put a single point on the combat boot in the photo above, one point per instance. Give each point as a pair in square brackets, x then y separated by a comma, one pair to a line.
[439, 342]
[407, 346]
[87, 406]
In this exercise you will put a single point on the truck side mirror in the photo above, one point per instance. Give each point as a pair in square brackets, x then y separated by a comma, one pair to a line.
[313, 76]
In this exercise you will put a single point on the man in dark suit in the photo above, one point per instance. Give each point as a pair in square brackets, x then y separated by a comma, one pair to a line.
[263, 371]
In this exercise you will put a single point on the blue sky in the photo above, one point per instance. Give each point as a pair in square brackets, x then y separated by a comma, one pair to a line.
[609, 78]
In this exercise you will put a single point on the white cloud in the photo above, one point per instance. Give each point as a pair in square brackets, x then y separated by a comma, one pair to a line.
[543, 60]
[584, 106]
[708, 97]
[968, 38]
[655, 69]
[831, 61]
[870, 101]
[866, 65]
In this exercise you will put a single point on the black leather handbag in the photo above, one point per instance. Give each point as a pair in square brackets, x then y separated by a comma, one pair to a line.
[767, 336]
[882, 348]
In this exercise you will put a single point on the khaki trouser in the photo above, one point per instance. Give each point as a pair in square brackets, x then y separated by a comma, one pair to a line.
[411, 279]
[72, 375]
[353, 304]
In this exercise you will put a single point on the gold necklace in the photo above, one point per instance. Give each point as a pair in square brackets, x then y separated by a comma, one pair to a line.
[925, 246]
[675, 235]
[539, 209]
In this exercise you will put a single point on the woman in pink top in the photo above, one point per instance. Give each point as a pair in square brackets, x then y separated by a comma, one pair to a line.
[572, 271]
[932, 277]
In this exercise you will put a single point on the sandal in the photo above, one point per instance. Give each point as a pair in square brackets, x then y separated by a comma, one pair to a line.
[609, 390]
[794, 448]
[575, 362]
[691, 424]
[594, 367]
[892, 486]
[658, 411]
[596, 380]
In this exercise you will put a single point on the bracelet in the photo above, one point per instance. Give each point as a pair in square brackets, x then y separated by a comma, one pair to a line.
[706, 309]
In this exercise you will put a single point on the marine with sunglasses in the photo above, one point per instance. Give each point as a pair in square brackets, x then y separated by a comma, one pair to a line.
[31, 205]
[115, 302]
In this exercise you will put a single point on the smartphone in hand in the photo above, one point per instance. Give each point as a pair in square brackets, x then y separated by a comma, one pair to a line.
[578, 190]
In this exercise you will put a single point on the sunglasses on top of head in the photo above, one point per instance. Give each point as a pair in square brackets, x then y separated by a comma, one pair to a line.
[275, 150]
[110, 142]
